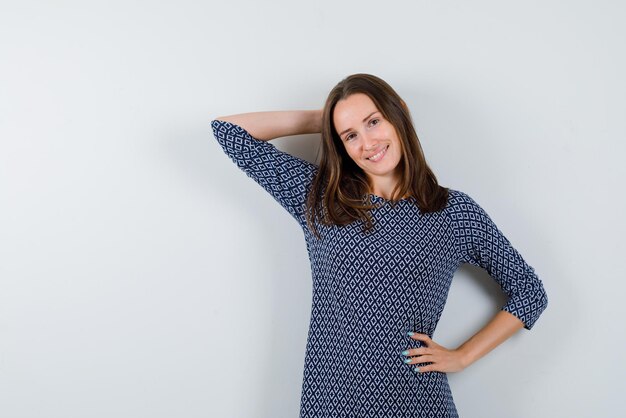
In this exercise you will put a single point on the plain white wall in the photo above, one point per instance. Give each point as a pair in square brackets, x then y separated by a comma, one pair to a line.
[143, 275]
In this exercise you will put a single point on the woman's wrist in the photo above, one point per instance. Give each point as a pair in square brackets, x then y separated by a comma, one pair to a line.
[465, 357]
[315, 121]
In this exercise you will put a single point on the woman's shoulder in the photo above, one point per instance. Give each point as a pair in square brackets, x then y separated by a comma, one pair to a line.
[463, 209]
[458, 198]
[462, 206]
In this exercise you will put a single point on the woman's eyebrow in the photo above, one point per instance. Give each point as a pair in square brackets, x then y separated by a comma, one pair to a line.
[376, 111]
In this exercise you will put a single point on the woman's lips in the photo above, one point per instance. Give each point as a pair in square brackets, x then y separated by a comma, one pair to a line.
[379, 156]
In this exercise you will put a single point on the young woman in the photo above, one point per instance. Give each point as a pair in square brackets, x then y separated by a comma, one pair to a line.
[384, 240]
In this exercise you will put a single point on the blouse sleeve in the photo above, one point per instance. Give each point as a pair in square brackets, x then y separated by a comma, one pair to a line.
[286, 177]
[482, 244]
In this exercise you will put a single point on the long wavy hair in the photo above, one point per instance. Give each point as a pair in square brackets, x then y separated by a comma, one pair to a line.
[339, 191]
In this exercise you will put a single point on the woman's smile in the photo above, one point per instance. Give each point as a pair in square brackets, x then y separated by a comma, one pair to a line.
[379, 156]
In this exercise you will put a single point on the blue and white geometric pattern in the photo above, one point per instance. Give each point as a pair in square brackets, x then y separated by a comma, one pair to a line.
[369, 290]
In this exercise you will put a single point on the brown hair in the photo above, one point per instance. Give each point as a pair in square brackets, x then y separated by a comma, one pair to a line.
[340, 185]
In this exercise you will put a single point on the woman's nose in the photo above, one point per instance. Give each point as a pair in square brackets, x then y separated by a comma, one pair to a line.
[369, 141]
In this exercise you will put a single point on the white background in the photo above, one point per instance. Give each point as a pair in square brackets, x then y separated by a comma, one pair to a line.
[143, 274]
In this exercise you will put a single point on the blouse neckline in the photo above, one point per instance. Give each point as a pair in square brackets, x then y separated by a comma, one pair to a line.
[377, 198]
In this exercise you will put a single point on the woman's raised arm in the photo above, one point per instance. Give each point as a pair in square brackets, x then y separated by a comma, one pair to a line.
[275, 124]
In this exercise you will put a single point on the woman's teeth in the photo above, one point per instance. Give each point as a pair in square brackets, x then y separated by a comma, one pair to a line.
[378, 156]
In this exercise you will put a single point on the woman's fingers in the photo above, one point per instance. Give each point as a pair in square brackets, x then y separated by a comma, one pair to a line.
[423, 337]
[418, 351]
[428, 368]
[424, 358]
[440, 358]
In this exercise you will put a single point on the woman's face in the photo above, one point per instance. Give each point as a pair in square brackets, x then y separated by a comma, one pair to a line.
[369, 139]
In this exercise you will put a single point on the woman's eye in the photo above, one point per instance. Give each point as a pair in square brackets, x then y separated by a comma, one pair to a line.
[374, 120]
[348, 137]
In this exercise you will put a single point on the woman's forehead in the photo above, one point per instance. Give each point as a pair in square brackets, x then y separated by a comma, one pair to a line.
[353, 110]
